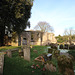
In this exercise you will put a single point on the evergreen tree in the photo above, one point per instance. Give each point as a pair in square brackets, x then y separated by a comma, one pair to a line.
[14, 15]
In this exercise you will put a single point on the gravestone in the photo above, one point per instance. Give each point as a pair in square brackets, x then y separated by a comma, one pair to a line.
[26, 51]
[9, 54]
[61, 46]
[1, 62]
[26, 47]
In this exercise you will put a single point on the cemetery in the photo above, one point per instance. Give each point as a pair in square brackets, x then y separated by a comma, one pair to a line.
[37, 37]
[34, 60]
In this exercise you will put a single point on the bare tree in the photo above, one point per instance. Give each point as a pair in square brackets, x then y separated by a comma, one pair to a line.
[44, 27]
[69, 34]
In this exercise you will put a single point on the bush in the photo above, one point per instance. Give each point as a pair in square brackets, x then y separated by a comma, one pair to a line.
[65, 64]
[72, 52]
[72, 47]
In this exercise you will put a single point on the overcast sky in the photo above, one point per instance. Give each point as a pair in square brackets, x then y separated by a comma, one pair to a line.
[60, 14]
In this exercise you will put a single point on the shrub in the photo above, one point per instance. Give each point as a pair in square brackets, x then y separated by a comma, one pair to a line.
[65, 64]
[72, 47]
[72, 52]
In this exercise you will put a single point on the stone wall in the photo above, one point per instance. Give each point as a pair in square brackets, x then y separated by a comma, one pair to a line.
[1, 62]
[9, 53]
[46, 38]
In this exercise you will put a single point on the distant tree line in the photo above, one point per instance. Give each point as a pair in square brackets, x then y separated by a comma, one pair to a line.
[69, 36]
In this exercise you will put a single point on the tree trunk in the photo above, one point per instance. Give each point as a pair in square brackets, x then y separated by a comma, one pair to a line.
[2, 33]
[19, 40]
[70, 41]
[41, 39]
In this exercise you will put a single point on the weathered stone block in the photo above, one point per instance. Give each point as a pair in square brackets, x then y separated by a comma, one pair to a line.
[1, 62]
[9, 54]
[26, 51]
[50, 50]
[56, 53]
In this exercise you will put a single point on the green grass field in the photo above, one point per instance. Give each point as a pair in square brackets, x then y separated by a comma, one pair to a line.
[3, 48]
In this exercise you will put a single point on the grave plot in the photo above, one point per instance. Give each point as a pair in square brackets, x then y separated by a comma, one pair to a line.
[44, 57]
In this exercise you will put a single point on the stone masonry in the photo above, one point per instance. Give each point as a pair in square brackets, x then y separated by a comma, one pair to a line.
[26, 51]
[1, 62]
[9, 54]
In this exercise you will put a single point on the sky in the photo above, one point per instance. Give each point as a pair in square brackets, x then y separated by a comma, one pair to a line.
[60, 14]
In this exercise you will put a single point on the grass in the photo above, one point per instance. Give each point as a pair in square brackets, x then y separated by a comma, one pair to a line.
[19, 66]
[3, 48]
